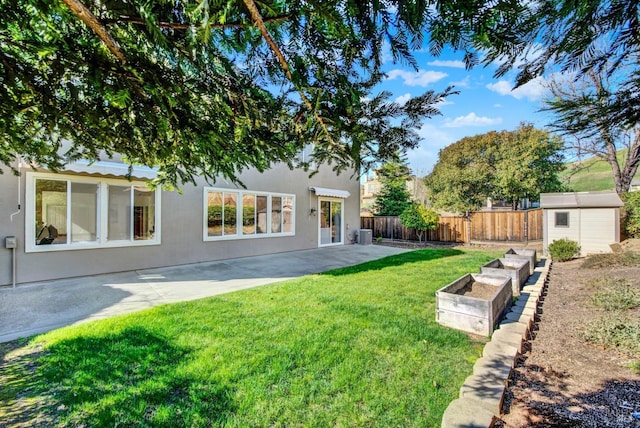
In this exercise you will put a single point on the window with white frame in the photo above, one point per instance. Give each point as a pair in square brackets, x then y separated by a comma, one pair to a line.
[72, 212]
[235, 214]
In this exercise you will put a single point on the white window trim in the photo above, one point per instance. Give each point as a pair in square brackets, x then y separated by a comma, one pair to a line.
[239, 235]
[102, 214]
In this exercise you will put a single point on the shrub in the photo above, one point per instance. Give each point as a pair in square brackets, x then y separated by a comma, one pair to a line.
[615, 294]
[614, 331]
[563, 249]
[623, 258]
[631, 217]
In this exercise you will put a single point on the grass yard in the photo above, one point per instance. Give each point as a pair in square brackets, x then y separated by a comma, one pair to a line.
[352, 347]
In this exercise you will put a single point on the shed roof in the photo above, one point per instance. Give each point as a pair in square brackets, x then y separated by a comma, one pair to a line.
[605, 199]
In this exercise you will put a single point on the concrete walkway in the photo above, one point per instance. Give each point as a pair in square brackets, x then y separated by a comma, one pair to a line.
[39, 307]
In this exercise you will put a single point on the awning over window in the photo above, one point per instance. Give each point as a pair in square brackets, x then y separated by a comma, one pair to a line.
[333, 193]
[115, 169]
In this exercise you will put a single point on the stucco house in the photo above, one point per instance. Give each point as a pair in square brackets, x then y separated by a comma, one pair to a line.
[89, 219]
[590, 218]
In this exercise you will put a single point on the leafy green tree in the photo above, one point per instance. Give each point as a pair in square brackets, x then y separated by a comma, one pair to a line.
[506, 165]
[528, 163]
[393, 197]
[631, 218]
[420, 218]
[462, 178]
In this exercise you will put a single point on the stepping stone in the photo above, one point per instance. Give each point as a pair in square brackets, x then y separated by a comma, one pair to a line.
[464, 413]
[512, 317]
[521, 329]
[496, 366]
[486, 391]
[497, 348]
[508, 337]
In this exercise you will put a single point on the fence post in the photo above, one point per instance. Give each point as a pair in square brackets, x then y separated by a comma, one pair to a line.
[526, 226]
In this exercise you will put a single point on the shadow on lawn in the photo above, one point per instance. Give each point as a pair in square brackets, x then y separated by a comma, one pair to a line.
[132, 377]
[397, 260]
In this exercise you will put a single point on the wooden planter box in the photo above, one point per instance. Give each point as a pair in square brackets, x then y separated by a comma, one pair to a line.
[523, 254]
[516, 269]
[474, 303]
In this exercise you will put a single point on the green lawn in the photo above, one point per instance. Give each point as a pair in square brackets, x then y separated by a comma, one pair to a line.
[352, 347]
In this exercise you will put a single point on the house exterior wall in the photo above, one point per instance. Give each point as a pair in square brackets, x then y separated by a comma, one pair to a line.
[181, 229]
[594, 229]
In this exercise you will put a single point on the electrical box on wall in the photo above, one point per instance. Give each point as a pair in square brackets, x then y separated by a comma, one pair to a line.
[10, 242]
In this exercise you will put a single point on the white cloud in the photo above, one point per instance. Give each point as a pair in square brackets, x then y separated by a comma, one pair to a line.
[464, 83]
[416, 78]
[533, 90]
[446, 63]
[497, 105]
[402, 99]
[471, 119]
[422, 159]
[444, 102]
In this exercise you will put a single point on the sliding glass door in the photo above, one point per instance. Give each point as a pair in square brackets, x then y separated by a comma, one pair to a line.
[331, 224]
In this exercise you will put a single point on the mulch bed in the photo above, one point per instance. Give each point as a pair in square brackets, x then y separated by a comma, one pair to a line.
[563, 381]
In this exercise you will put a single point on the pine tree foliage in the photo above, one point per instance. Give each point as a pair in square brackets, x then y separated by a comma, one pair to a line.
[393, 197]
[196, 87]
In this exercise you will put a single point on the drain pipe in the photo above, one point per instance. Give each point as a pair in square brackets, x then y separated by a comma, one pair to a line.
[10, 241]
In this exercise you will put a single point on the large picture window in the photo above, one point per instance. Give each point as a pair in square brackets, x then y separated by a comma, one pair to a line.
[73, 212]
[232, 214]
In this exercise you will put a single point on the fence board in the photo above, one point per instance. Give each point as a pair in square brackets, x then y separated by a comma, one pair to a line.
[482, 226]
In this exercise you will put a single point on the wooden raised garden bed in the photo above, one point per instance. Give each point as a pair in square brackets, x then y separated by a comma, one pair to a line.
[516, 269]
[523, 254]
[474, 303]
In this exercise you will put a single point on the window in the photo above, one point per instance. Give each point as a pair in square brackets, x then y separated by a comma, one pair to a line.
[261, 214]
[562, 219]
[71, 212]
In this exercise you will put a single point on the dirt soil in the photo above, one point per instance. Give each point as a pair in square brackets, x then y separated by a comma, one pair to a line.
[563, 381]
[478, 290]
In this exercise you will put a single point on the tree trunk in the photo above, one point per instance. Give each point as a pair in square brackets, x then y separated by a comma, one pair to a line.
[631, 163]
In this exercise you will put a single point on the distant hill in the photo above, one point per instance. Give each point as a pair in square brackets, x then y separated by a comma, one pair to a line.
[588, 175]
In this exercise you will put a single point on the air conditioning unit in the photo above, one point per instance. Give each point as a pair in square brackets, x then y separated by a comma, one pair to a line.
[365, 236]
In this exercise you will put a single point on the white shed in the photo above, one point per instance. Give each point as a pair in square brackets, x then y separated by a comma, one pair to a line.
[590, 218]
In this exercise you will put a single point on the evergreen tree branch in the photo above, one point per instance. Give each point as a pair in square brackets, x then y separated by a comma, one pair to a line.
[258, 21]
[85, 15]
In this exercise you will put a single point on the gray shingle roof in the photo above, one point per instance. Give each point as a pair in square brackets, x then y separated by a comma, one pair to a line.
[605, 199]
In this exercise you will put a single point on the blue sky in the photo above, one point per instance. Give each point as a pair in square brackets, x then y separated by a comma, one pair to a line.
[484, 103]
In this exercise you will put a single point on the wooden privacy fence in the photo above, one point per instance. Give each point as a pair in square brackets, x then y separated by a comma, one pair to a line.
[481, 226]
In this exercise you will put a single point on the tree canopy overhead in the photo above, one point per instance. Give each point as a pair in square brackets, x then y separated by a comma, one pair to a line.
[209, 88]
[205, 88]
